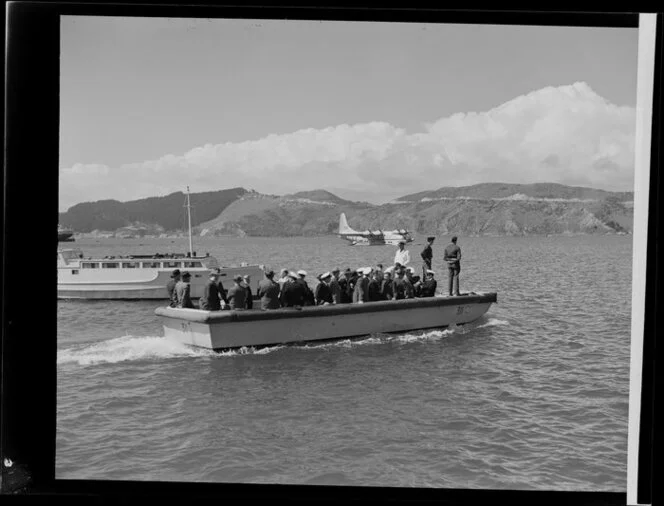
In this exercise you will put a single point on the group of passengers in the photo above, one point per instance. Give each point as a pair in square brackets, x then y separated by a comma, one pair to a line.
[291, 289]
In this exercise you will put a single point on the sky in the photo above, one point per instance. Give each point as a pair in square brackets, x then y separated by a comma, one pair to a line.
[369, 111]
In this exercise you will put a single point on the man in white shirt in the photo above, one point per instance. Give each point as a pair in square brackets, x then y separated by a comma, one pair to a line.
[402, 257]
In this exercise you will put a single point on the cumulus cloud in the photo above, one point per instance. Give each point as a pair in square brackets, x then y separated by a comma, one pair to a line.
[568, 135]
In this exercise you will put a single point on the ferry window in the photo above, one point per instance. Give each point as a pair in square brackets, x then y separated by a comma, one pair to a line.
[193, 264]
[129, 265]
[89, 265]
[171, 265]
[151, 265]
[109, 265]
[74, 271]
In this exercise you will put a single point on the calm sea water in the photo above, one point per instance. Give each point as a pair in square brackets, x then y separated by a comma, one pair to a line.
[532, 396]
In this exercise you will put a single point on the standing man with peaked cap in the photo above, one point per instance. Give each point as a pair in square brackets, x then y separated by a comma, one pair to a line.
[183, 292]
[343, 286]
[210, 300]
[170, 288]
[361, 289]
[427, 255]
[453, 258]
[268, 291]
[402, 256]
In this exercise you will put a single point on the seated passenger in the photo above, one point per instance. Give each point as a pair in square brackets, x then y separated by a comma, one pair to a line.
[429, 285]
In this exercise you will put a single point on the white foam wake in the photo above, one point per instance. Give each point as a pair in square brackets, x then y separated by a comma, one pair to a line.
[494, 322]
[128, 348]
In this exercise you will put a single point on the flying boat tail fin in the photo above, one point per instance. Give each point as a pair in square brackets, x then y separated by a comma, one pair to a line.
[343, 225]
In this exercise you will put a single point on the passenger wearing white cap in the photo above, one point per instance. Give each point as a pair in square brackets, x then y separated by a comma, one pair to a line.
[323, 293]
[429, 285]
[292, 294]
[308, 293]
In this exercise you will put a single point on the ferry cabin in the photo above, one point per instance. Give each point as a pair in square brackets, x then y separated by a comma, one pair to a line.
[138, 276]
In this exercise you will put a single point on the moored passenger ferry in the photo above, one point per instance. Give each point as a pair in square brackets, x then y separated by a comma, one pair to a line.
[139, 276]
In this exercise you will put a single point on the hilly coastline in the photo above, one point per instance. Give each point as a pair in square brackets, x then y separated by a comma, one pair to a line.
[483, 209]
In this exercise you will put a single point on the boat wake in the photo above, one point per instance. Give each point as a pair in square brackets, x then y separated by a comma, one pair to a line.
[494, 322]
[129, 348]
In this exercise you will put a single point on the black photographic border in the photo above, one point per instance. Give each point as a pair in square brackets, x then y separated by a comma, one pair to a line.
[30, 215]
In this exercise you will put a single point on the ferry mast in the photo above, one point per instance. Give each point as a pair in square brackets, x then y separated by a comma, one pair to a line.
[188, 206]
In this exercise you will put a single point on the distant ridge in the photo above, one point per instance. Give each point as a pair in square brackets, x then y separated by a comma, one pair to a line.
[482, 209]
[504, 190]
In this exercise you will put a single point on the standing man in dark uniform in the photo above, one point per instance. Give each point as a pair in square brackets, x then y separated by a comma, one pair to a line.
[170, 288]
[268, 291]
[183, 292]
[210, 299]
[427, 256]
[308, 293]
[453, 259]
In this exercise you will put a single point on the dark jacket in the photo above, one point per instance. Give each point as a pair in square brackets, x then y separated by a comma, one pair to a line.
[183, 294]
[427, 255]
[428, 288]
[250, 297]
[335, 289]
[210, 299]
[292, 294]
[222, 292]
[343, 286]
[172, 296]
[323, 294]
[237, 297]
[350, 287]
[373, 291]
[387, 289]
[268, 291]
[307, 293]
